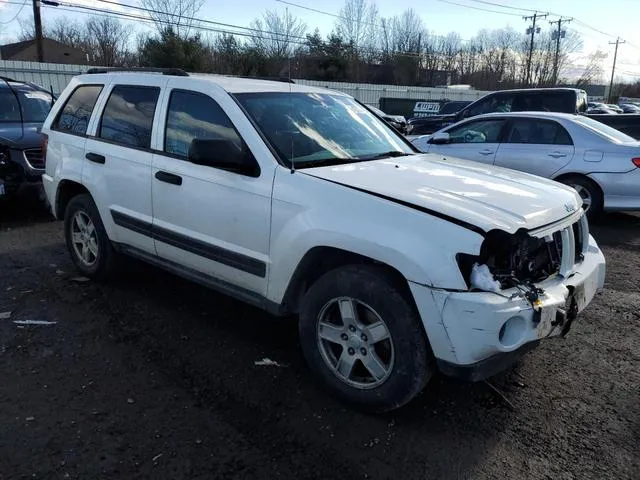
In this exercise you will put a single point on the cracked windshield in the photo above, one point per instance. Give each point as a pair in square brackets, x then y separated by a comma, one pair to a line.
[313, 129]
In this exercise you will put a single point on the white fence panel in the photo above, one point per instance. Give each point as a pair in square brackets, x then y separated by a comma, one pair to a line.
[56, 76]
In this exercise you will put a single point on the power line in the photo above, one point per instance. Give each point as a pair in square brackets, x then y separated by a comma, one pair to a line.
[16, 15]
[133, 16]
[150, 10]
[479, 8]
[340, 17]
[504, 6]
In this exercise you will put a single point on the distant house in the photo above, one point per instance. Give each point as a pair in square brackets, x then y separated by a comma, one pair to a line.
[54, 52]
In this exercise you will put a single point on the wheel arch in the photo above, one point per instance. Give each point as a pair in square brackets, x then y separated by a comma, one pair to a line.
[67, 189]
[566, 175]
[321, 259]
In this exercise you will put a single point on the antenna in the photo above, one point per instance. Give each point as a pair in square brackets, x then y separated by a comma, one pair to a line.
[293, 167]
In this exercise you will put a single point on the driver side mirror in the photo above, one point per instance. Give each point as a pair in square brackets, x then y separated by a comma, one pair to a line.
[223, 154]
[440, 138]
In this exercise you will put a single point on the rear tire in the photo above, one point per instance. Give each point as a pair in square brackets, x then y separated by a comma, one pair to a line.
[590, 193]
[364, 339]
[87, 240]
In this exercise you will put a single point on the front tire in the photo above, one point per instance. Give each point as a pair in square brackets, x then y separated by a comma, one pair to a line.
[364, 339]
[87, 240]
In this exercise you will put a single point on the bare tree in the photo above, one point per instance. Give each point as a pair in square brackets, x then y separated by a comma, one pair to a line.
[407, 32]
[359, 24]
[68, 31]
[108, 38]
[593, 71]
[277, 35]
[177, 15]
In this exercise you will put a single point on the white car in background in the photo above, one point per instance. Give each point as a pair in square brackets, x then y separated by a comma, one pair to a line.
[600, 162]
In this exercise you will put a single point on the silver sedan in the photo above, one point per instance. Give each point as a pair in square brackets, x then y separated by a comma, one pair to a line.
[601, 163]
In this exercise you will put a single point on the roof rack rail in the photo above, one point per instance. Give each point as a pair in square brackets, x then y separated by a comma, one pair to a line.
[165, 71]
[273, 79]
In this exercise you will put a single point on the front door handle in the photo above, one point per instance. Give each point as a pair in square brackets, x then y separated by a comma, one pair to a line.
[485, 152]
[169, 178]
[95, 158]
[557, 155]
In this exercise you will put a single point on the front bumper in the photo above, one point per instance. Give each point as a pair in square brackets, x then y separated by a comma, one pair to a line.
[476, 334]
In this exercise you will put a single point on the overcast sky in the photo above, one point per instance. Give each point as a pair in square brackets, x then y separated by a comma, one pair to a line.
[611, 17]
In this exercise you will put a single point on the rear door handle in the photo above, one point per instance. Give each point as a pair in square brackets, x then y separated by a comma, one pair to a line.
[485, 152]
[557, 155]
[169, 178]
[95, 158]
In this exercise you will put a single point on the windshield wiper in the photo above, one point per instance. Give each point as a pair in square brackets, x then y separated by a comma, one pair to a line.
[392, 153]
[327, 162]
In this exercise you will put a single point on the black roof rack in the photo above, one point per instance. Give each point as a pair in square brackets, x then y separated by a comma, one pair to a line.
[178, 72]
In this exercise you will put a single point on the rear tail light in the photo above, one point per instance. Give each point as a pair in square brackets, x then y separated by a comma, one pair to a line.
[636, 161]
[44, 145]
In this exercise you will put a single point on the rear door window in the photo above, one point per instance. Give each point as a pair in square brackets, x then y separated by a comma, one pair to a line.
[74, 116]
[539, 132]
[128, 116]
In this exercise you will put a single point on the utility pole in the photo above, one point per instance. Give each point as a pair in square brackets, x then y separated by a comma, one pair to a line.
[557, 35]
[613, 69]
[38, 28]
[532, 31]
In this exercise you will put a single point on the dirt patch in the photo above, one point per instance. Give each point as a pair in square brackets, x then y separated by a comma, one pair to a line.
[155, 377]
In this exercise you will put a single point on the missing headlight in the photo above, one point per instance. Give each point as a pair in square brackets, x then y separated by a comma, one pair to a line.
[514, 259]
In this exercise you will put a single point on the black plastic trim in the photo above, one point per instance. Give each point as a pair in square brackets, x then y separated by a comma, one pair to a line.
[486, 368]
[428, 211]
[133, 224]
[197, 247]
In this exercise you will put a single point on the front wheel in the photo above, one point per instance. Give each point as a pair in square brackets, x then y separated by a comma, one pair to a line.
[364, 338]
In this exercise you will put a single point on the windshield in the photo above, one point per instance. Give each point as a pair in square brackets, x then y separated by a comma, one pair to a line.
[21, 103]
[606, 131]
[312, 129]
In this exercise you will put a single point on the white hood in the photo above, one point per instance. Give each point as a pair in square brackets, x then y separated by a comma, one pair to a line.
[484, 196]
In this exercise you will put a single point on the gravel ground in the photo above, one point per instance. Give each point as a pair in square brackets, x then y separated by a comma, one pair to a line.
[154, 377]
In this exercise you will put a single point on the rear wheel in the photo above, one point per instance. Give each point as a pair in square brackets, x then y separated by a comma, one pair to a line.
[87, 240]
[364, 339]
[592, 201]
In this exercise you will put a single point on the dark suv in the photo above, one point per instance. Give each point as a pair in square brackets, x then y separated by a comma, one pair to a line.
[567, 100]
[23, 109]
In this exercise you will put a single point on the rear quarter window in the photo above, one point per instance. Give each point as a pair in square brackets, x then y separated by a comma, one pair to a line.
[76, 112]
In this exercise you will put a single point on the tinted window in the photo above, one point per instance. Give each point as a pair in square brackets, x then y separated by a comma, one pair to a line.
[194, 115]
[481, 131]
[74, 116]
[541, 132]
[545, 102]
[128, 115]
[490, 104]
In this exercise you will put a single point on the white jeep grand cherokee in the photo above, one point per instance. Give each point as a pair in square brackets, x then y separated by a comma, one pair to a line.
[302, 201]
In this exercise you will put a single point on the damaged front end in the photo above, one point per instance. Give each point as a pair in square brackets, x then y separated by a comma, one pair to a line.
[528, 257]
[524, 259]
